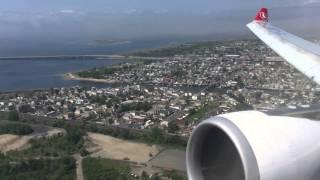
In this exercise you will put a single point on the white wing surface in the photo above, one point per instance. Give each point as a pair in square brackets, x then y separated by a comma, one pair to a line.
[302, 54]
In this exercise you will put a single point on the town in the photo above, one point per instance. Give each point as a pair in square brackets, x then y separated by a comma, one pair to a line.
[189, 84]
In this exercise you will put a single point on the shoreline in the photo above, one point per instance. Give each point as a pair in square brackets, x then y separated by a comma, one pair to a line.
[101, 57]
[72, 76]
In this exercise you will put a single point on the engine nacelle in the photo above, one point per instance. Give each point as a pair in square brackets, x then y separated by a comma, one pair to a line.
[251, 145]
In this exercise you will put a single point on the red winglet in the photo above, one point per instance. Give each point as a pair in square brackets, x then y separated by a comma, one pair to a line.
[262, 15]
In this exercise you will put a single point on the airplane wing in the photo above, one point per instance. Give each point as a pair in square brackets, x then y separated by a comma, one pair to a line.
[302, 54]
[240, 146]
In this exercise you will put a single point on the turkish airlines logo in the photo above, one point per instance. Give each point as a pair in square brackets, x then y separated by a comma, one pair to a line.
[263, 15]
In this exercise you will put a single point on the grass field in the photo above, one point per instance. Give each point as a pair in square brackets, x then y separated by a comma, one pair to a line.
[97, 168]
[36, 169]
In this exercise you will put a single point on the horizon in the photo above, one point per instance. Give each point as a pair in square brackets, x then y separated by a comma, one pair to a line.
[37, 27]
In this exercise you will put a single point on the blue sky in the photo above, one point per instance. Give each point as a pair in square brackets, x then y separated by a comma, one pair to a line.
[197, 6]
[73, 21]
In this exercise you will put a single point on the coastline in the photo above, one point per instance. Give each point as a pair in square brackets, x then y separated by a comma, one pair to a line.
[72, 76]
[101, 57]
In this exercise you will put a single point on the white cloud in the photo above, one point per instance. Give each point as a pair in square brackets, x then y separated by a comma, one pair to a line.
[308, 2]
[67, 11]
[131, 11]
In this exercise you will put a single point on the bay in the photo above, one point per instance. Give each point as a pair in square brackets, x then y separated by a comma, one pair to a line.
[44, 74]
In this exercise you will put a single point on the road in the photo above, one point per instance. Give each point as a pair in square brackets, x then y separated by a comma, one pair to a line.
[79, 170]
[300, 112]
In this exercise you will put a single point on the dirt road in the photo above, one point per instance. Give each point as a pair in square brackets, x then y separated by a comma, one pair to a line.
[79, 170]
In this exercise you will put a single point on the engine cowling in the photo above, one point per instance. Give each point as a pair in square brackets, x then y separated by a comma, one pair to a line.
[251, 145]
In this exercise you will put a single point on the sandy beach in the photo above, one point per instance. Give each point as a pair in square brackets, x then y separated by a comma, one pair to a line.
[72, 76]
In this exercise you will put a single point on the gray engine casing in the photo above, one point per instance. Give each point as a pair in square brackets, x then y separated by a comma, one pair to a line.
[251, 145]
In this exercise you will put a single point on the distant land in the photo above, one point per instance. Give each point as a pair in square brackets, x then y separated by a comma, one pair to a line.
[40, 47]
[111, 42]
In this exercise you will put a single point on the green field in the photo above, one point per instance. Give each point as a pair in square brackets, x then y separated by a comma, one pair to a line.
[59, 169]
[48, 158]
[96, 168]
[15, 128]
[106, 169]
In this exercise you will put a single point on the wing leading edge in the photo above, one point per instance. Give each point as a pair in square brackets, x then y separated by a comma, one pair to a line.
[302, 54]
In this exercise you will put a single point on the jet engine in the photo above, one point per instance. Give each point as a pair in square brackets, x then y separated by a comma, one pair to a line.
[251, 145]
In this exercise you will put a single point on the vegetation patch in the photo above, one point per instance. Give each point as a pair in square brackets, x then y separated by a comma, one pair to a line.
[55, 146]
[102, 72]
[136, 106]
[97, 168]
[202, 112]
[177, 50]
[174, 175]
[15, 128]
[154, 136]
[38, 169]
[48, 158]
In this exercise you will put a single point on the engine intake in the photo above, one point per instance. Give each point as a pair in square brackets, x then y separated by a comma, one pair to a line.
[251, 145]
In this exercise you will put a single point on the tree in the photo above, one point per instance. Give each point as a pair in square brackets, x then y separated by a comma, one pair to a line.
[157, 135]
[173, 127]
[71, 108]
[12, 107]
[94, 168]
[111, 121]
[13, 116]
[39, 169]
[144, 176]
[74, 134]
[155, 177]
[14, 128]
[139, 106]
[258, 95]
[241, 98]
[26, 108]
[84, 152]
[174, 175]
[125, 134]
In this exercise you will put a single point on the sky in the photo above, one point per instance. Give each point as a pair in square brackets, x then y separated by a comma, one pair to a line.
[74, 21]
[141, 5]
